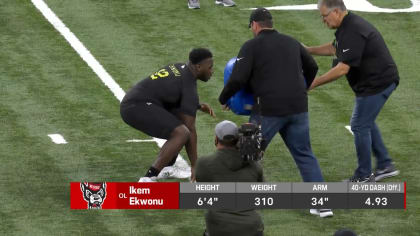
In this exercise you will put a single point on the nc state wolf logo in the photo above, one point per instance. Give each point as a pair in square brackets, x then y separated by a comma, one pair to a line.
[94, 194]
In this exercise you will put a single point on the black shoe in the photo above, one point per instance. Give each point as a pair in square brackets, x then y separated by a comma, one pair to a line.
[387, 172]
[354, 178]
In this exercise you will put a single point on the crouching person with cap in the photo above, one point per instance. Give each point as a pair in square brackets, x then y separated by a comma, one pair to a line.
[227, 165]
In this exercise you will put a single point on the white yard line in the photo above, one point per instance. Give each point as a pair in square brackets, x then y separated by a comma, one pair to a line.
[80, 49]
[90, 60]
[140, 141]
[57, 138]
[353, 5]
[349, 129]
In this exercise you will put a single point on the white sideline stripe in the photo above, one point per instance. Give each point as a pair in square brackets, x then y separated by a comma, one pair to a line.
[92, 62]
[353, 5]
[57, 138]
[349, 129]
[80, 48]
[140, 141]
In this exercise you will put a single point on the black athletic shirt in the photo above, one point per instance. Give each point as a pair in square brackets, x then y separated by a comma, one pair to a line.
[274, 67]
[360, 45]
[173, 87]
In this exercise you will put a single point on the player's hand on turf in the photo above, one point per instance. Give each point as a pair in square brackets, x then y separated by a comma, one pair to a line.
[207, 109]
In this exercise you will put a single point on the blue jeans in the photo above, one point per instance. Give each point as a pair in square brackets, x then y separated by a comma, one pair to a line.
[294, 129]
[367, 137]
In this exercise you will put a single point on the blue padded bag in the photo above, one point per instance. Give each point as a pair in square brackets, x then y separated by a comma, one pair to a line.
[241, 103]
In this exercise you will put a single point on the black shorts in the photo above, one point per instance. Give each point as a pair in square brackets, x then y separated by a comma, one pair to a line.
[149, 118]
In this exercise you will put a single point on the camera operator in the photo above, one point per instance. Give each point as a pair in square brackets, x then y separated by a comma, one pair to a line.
[227, 165]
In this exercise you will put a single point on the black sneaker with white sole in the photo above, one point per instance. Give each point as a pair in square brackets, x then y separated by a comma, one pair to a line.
[194, 4]
[226, 3]
[323, 213]
[387, 172]
[358, 179]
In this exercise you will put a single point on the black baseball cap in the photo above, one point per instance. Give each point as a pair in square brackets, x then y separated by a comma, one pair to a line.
[259, 14]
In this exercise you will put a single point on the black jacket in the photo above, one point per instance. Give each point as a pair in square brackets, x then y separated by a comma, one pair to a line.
[277, 69]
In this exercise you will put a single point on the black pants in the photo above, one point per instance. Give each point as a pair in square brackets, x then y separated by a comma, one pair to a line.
[150, 118]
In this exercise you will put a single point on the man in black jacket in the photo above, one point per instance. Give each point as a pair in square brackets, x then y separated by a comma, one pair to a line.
[277, 69]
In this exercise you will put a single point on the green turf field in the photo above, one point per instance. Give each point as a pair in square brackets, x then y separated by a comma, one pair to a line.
[45, 87]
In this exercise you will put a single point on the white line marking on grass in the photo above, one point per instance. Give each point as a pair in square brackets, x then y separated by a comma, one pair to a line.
[140, 141]
[92, 62]
[80, 49]
[57, 138]
[353, 5]
[349, 129]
